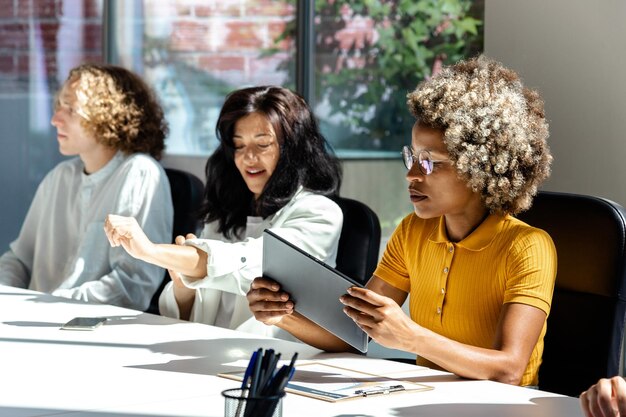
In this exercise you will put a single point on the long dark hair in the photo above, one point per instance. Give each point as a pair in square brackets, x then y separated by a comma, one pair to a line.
[305, 159]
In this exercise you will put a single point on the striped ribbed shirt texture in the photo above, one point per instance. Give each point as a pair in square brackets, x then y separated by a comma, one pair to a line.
[458, 289]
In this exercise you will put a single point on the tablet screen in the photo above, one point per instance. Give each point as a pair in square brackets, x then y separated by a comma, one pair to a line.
[314, 286]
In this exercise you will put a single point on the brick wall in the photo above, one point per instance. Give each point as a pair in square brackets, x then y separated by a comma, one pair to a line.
[225, 38]
[45, 38]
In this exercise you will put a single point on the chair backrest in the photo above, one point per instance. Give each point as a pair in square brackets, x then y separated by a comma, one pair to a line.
[585, 331]
[187, 196]
[359, 243]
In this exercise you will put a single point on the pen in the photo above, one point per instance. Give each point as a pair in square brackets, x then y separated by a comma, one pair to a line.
[381, 390]
[293, 371]
[278, 383]
[293, 360]
[255, 386]
[272, 386]
[254, 383]
[248, 372]
[276, 387]
[269, 375]
[248, 375]
[266, 370]
[273, 364]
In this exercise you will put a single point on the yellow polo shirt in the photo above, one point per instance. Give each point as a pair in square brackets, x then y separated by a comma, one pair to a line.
[458, 289]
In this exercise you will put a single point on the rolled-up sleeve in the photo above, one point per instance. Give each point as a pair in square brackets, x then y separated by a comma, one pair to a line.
[312, 222]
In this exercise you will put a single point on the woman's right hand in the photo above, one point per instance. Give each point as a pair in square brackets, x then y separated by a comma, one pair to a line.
[268, 304]
[126, 232]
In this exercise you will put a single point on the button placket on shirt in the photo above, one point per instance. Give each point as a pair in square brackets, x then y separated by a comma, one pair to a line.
[444, 278]
[85, 202]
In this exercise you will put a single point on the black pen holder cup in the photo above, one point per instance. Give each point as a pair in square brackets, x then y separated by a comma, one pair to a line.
[238, 404]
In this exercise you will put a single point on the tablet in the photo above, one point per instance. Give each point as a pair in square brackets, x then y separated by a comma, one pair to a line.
[314, 286]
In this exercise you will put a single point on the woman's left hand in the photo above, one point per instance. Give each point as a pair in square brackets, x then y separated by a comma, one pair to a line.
[380, 317]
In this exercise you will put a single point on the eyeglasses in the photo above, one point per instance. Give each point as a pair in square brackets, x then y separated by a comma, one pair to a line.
[424, 161]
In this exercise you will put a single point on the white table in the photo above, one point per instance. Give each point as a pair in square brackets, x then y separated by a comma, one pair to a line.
[139, 364]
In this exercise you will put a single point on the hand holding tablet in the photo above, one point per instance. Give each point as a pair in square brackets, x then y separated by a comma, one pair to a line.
[314, 286]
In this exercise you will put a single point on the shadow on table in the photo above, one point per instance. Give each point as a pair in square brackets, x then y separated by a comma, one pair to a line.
[140, 318]
[540, 407]
[24, 411]
[221, 355]
[354, 415]
[112, 320]
[48, 298]
[432, 378]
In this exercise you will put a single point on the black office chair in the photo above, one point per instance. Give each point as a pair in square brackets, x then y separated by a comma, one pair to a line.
[187, 196]
[584, 339]
[359, 243]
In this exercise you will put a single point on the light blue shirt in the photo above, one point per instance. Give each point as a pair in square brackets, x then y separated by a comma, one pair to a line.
[62, 248]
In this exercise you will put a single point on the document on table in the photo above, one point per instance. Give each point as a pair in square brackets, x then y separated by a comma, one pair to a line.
[332, 383]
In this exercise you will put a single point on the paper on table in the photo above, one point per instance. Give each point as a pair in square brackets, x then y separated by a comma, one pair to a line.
[333, 383]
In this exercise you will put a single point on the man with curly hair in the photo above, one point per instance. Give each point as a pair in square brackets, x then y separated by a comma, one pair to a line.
[480, 281]
[109, 119]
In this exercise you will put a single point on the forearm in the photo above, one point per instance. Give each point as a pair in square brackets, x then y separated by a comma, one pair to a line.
[128, 284]
[185, 298]
[466, 360]
[13, 272]
[518, 331]
[312, 334]
[186, 260]
[377, 310]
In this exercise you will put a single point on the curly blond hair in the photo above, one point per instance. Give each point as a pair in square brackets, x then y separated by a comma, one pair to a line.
[494, 128]
[119, 109]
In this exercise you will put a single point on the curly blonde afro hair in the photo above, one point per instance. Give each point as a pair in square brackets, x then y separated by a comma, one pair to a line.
[494, 128]
[119, 109]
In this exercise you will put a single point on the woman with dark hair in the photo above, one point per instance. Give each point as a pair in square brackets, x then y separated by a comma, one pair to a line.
[272, 169]
[110, 121]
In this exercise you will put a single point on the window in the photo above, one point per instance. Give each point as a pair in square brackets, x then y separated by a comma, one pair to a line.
[194, 52]
[368, 55]
[40, 41]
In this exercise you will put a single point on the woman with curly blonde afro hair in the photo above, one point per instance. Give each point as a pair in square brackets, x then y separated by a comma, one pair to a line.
[480, 281]
[109, 121]
[494, 128]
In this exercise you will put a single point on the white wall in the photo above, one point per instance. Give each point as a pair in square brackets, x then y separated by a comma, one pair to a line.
[573, 52]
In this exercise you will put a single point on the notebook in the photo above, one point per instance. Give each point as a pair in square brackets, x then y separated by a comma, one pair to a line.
[314, 286]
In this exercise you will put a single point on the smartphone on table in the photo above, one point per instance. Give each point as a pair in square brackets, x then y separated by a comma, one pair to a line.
[84, 323]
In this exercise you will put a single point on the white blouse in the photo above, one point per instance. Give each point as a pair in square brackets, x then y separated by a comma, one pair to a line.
[310, 221]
